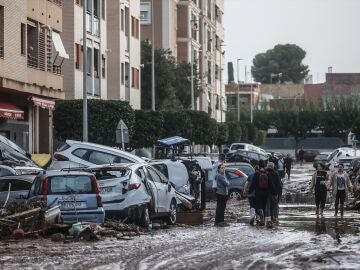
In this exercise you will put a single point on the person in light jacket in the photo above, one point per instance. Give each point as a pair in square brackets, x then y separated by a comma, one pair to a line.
[222, 190]
[341, 186]
[319, 188]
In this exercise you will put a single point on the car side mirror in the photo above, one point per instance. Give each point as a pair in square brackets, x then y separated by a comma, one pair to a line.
[169, 187]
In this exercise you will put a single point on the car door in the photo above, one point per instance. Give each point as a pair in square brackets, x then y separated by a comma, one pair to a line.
[154, 189]
[161, 190]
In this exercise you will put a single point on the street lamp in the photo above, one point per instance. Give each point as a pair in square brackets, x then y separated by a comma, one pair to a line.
[152, 58]
[85, 110]
[221, 70]
[238, 88]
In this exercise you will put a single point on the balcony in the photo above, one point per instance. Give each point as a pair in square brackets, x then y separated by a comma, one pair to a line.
[56, 2]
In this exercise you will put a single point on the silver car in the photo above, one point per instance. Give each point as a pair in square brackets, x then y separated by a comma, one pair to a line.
[136, 191]
[14, 189]
[75, 154]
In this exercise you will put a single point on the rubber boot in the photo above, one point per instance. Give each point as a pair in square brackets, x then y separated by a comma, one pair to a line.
[336, 211]
[261, 215]
[252, 216]
[268, 223]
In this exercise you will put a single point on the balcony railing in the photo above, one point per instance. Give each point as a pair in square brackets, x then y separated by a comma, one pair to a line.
[1, 51]
[57, 69]
[32, 61]
[56, 2]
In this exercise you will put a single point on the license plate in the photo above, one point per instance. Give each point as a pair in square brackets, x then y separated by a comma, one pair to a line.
[73, 205]
[105, 190]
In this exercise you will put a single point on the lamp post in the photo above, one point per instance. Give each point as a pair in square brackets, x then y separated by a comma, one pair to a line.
[251, 100]
[221, 70]
[238, 88]
[85, 110]
[152, 58]
[193, 28]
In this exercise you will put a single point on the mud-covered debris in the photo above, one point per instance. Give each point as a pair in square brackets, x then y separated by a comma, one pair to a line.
[122, 227]
[57, 237]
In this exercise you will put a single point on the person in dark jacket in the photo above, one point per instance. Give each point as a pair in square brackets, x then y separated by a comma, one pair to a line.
[222, 190]
[319, 187]
[288, 165]
[274, 160]
[275, 196]
[251, 196]
[263, 187]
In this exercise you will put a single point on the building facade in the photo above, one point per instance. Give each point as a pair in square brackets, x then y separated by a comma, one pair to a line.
[31, 71]
[194, 32]
[124, 57]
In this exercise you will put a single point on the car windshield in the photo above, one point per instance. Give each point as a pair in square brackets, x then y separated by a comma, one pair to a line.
[237, 147]
[69, 184]
[112, 173]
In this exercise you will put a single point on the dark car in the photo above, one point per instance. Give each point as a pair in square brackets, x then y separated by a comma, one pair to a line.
[321, 158]
[309, 155]
[250, 157]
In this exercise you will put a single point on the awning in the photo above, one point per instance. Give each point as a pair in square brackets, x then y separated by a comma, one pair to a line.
[59, 46]
[43, 103]
[173, 141]
[10, 111]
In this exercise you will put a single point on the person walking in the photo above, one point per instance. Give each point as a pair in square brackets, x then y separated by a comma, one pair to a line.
[319, 187]
[281, 166]
[341, 186]
[251, 196]
[262, 186]
[274, 160]
[288, 161]
[222, 191]
[301, 156]
[220, 161]
[275, 194]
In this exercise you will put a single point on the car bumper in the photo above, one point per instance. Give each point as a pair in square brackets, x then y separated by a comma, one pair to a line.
[122, 213]
[93, 216]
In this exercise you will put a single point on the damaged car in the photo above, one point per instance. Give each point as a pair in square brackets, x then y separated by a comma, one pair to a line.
[137, 192]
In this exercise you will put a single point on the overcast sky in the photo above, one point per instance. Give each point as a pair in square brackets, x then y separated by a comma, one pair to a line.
[328, 30]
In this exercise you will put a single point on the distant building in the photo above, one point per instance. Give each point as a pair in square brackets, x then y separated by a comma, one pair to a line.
[342, 84]
[196, 26]
[32, 59]
[314, 92]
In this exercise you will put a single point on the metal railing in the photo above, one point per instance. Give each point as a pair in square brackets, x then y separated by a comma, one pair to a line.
[32, 61]
[57, 69]
[56, 2]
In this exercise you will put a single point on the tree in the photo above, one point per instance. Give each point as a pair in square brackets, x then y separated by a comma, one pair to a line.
[223, 134]
[285, 59]
[204, 128]
[172, 80]
[176, 123]
[234, 132]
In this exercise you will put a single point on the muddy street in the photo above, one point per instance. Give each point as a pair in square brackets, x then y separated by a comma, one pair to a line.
[301, 241]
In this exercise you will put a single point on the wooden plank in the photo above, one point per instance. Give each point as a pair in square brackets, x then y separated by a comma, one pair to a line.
[23, 214]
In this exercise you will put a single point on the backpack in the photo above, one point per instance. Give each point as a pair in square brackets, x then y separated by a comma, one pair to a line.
[263, 180]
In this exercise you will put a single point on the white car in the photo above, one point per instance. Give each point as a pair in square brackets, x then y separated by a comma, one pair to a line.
[75, 154]
[340, 153]
[136, 191]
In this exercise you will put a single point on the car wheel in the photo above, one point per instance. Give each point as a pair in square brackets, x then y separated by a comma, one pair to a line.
[144, 218]
[235, 195]
[171, 219]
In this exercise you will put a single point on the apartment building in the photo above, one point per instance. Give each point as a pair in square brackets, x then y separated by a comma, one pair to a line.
[96, 53]
[124, 57]
[31, 71]
[113, 49]
[193, 31]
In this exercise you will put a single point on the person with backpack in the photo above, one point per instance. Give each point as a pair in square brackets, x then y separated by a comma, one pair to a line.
[251, 196]
[222, 190]
[319, 187]
[262, 186]
[275, 194]
[288, 165]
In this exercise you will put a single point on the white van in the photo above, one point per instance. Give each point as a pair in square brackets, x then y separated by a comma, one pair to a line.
[340, 153]
[247, 147]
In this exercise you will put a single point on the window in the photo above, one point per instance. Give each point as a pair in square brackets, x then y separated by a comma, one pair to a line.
[96, 63]
[103, 9]
[80, 153]
[209, 72]
[70, 184]
[122, 73]
[145, 13]
[134, 27]
[96, 8]
[135, 78]
[17, 185]
[101, 158]
[88, 61]
[32, 44]
[162, 168]
[209, 40]
[122, 20]
[103, 65]
[23, 39]
[78, 55]
[155, 177]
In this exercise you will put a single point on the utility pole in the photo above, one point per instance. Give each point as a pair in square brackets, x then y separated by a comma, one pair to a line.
[238, 90]
[85, 110]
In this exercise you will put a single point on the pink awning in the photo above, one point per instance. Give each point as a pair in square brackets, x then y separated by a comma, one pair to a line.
[43, 103]
[10, 111]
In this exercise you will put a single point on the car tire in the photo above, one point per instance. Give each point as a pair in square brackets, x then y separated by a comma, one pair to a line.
[144, 216]
[235, 195]
[171, 218]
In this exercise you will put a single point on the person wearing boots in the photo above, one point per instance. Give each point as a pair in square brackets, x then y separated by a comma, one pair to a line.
[318, 184]
[341, 186]
[222, 190]
[251, 196]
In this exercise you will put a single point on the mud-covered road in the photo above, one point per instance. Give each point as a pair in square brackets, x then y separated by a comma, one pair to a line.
[301, 241]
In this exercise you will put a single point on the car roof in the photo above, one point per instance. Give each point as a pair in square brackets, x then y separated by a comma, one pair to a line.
[114, 166]
[65, 172]
[237, 164]
[29, 178]
[127, 154]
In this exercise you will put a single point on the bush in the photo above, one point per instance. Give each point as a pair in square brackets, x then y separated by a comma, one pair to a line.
[103, 117]
[234, 132]
[204, 129]
[176, 123]
[223, 134]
